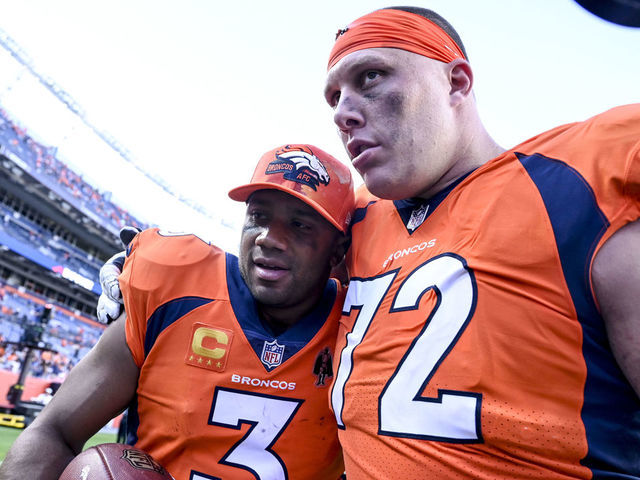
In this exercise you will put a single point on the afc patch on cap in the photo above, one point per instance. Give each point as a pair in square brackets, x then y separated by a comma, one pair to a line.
[299, 166]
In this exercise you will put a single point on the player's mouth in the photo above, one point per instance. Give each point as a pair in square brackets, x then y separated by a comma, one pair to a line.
[270, 270]
[360, 152]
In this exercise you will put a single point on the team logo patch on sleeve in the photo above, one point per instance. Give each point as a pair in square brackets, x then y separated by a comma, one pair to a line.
[209, 347]
[272, 354]
[299, 165]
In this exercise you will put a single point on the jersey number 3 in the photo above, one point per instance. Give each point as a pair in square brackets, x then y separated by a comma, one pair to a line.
[452, 416]
[268, 416]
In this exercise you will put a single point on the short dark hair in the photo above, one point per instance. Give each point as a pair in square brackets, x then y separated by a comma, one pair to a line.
[438, 20]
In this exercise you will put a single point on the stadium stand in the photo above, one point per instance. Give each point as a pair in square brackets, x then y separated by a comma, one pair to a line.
[56, 230]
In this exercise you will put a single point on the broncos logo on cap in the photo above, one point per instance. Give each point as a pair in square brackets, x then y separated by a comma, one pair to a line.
[300, 165]
[303, 159]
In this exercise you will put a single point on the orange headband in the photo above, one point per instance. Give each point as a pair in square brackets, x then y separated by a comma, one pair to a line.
[395, 29]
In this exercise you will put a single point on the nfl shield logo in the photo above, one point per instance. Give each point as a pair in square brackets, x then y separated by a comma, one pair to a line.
[272, 354]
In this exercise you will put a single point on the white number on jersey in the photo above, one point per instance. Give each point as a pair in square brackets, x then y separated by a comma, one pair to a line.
[453, 415]
[268, 416]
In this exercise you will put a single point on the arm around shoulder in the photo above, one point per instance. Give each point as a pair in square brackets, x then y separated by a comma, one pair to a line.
[96, 390]
[616, 281]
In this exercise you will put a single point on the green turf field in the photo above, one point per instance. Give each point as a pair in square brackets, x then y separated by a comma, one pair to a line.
[8, 435]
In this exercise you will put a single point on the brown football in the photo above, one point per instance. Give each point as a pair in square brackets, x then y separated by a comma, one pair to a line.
[114, 461]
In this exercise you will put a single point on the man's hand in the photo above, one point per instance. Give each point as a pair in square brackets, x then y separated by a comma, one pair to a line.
[110, 304]
[108, 310]
[109, 273]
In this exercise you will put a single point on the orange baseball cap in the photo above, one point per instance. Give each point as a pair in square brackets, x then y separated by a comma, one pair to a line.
[309, 174]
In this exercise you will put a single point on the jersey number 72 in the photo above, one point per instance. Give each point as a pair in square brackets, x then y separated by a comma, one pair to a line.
[453, 416]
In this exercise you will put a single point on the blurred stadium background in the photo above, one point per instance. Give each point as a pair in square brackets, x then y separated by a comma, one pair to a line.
[56, 230]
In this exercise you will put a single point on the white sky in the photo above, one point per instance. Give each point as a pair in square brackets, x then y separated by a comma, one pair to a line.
[197, 90]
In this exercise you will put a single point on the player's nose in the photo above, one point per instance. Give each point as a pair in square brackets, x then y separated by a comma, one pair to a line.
[273, 235]
[347, 114]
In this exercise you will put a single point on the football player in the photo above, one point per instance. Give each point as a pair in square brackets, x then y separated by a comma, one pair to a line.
[491, 327]
[217, 356]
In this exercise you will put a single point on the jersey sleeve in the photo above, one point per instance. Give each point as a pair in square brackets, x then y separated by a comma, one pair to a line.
[633, 177]
[605, 152]
[159, 268]
[616, 170]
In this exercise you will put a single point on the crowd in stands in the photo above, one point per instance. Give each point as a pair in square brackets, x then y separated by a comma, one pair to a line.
[48, 244]
[43, 160]
[64, 338]
[60, 341]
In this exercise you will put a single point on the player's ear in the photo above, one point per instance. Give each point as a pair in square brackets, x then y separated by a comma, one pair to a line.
[343, 241]
[460, 79]
[337, 261]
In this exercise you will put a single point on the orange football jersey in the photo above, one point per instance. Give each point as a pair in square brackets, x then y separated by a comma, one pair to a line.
[471, 345]
[219, 396]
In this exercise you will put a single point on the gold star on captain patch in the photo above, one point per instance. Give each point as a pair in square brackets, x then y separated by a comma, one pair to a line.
[199, 359]
[208, 362]
[218, 364]
[191, 357]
